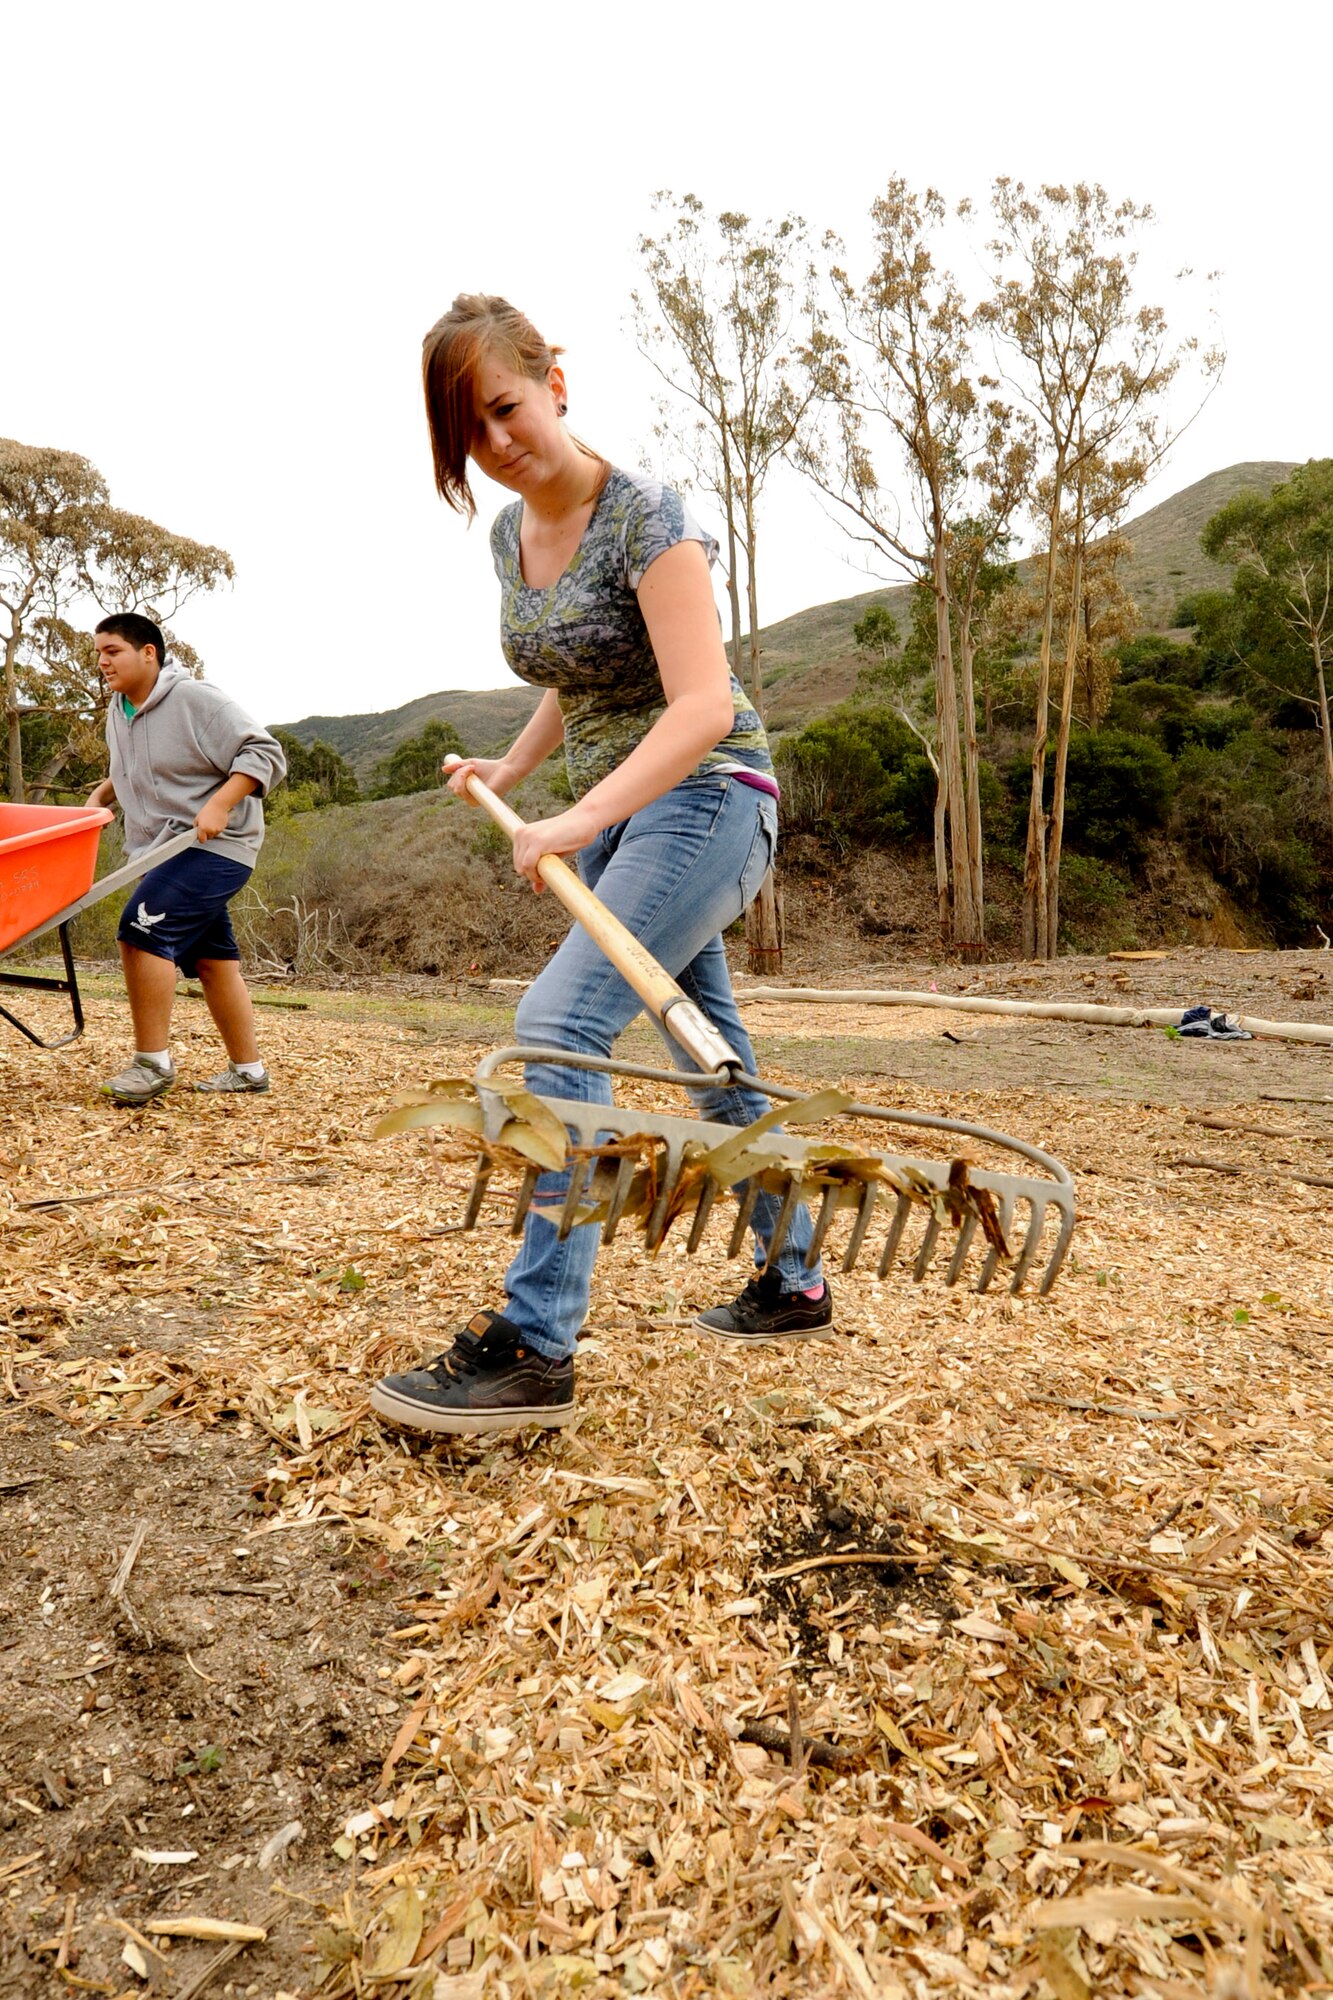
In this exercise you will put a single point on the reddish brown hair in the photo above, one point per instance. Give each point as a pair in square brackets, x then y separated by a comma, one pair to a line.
[475, 327]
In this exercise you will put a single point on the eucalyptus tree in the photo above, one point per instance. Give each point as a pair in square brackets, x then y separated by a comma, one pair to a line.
[1281, 609]
[897, 391]
[718, 319]
[719, 322]
[64, 547]
[1091, 364]
[1103, 613]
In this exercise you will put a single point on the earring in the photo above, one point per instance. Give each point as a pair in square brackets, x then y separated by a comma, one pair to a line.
[563, 409]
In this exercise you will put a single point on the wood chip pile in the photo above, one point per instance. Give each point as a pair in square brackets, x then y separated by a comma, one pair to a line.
[985, 1649]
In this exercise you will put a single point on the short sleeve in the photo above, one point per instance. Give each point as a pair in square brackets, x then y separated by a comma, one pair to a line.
[655, 521]
[504, 539]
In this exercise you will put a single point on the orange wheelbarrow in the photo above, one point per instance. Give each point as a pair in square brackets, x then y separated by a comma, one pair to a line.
[48, 857]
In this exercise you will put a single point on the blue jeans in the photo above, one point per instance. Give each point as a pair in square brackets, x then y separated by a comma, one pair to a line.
[676, 874]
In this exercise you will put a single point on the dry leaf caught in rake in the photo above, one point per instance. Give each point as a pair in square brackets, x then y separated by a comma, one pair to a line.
[661, 1173]
[533, 1132]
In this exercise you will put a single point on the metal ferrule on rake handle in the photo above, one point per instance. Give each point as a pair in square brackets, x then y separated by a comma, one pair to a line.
[709, 1051]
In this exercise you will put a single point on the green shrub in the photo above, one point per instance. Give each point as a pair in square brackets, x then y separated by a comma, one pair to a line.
[490, 842]
[1151, 657]
[857, 774]
[1089, 887]
[1092, 895]
[289, 798]
[1176, 716]
[415, 765]
[1235, 809]
[1118, 788]
[1213, 724]
[316, 776]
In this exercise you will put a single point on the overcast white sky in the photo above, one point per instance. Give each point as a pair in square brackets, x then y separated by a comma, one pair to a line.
[227, 229]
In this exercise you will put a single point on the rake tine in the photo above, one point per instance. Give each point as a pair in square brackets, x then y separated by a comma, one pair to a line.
[707, 1196]
[965, 1235]
[523, 1202]
[864, 1210]
[607, 1136]
[570, 1206]
[1057, 1256]
[895, 1235]
[657, 1223]
[746, 1210]
[992, 1257]
[477, 1194]
[790, 1199]
[615, 1208]
[826, 1208]
[927, 1249]
[1030, 1241]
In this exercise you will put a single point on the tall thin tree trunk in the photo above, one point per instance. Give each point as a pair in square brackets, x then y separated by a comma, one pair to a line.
[13, 730]
[965, 931]
[752, 605]
[763, 928]
[733, 581]
[1088, 658]
[763, 924]
[734, 600]
[1034, 859]
[1325, 729]
[971, 767]
[15, 757]
[1055, 842]
[942, 896]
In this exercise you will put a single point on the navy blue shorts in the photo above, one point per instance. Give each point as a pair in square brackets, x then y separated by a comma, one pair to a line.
[179, 910]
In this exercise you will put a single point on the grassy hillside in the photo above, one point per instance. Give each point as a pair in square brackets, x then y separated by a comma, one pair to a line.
[810, 661]
[487, 719]
[1167, 563]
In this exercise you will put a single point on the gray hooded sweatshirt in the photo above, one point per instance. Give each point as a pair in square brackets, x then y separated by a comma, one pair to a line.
[170, 756]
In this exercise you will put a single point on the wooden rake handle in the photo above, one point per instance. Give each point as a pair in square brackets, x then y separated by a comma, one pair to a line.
[710, 1053]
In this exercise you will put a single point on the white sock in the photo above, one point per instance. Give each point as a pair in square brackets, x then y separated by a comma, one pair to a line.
[159, 1058]
[252, 1070]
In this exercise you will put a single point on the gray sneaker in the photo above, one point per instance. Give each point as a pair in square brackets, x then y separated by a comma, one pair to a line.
[232, 1078]
[138, 1084]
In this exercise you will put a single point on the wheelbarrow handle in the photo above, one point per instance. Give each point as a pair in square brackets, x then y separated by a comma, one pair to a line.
[122, 877]
[687, 1025]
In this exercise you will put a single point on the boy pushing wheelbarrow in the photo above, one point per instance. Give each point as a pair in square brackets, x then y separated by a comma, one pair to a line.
[182, 753]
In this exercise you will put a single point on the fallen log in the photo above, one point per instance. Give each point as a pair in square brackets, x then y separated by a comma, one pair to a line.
[1037, 1010]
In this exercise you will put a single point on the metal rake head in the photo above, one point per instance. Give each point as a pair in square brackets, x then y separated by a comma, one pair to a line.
[658, 1169]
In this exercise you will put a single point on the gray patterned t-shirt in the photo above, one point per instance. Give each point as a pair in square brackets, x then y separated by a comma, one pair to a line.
[586, 637]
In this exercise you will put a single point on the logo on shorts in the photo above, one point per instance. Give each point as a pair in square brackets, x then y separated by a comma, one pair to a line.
[143, 921]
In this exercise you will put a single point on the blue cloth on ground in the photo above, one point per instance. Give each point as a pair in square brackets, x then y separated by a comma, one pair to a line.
[1203, 1024]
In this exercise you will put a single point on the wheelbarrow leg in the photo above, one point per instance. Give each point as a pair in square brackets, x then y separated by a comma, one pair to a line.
[36, 983]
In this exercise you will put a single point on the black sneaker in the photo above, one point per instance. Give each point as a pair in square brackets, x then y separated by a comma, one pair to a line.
[765, 1312]
[488, 1381]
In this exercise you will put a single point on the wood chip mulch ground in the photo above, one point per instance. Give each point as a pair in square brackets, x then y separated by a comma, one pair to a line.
[983, 1649]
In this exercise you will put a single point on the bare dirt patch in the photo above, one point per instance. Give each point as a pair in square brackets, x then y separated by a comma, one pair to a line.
[225, 1696]
[526, 1699]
